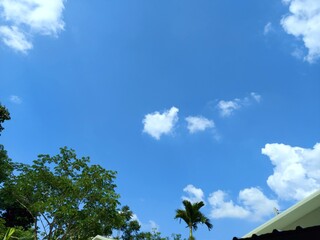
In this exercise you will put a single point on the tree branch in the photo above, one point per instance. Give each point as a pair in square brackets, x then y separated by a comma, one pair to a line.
[34, 218]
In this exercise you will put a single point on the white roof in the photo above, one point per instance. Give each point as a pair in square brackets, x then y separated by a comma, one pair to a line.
[305, 214]
[99, 237]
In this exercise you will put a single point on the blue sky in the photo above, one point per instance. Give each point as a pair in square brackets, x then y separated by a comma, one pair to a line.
[206, 100]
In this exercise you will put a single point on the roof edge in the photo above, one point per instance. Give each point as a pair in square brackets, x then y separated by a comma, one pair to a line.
[294, 212]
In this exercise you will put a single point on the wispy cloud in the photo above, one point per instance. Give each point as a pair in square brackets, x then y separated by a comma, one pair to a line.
[267, 28]
[227, 108]
[135, 218]
[303, 22]
[253, 205]
[198, 123]
[255, 96]
[14, 38]
[194, 194]
[296, 172]
[15, 99]
[153, 226]
[23, 19]
[157, 124]
[298, 53]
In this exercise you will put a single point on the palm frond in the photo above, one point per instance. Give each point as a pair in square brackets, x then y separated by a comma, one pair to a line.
[192, 215]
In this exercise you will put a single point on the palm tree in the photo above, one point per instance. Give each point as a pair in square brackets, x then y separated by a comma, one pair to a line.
[192, 216]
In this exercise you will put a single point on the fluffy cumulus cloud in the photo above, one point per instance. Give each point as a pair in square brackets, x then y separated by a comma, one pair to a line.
[224, 208]
[252, 205]
[227, 108]
[303, 22]
[199, 123]
[257, 203]
[296, 172]
[194, 194]
[22, 19]
[296, 175]
[157, 124]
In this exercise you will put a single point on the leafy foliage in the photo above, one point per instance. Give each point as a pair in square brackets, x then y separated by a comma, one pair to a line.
[4, 115]
[153, 235]
[69, 198]
[12, 214]
[6, 166]
[14, 233]
[192, 216]
[128, 226]
[9, 233]
[5, 161]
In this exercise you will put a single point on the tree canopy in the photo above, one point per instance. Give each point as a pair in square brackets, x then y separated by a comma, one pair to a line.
[66, 196]
[4, 115]
[6, 166]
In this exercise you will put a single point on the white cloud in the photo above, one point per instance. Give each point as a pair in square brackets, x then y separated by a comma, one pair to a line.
[135, 218]
[15, 99]
[149, 226]
[257, 203]
[303, 22]
[227, 108]
[296, 175]
[296, 172]
[25, 18]
[194, 194]
[256, 96]
[222, 208]
[157, 124]
[267, 28]
[253, 205]
[14, 38]
[197, 124]
[298, 53]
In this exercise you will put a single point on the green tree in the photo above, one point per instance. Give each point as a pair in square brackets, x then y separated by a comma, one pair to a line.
[14, 233]
[192, 216]
[4, 115]
[12, 213]
[176, 236]
[128, 227]
[8, 234]
[153, 235]
[130, 231]
[6, 166]
[65, 196]
[5, 161]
